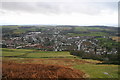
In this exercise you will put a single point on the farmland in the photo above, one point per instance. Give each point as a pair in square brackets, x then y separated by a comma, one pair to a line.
[89, 34]
[90, 67]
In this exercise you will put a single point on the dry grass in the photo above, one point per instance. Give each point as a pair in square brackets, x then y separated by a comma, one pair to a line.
[27, 70]
[117, 39]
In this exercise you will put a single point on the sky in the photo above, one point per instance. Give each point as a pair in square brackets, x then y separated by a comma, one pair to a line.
[59, 12]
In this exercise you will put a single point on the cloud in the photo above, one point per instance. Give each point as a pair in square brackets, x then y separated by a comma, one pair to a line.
[60, 7]
[64, 12]
[59, 0]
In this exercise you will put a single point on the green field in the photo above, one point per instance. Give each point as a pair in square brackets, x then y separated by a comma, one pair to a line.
[90, 28]
[99, 71]
[24, 53]
[90, 67]
[19, 31]
[14, 52]
[87, 28]
[89, 34]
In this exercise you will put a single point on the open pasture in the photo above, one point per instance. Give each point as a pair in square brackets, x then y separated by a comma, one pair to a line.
[92, 68]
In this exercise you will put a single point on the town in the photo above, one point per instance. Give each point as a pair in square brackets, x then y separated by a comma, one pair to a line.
[56, 39]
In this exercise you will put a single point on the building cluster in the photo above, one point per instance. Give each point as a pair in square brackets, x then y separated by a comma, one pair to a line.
[54, 40]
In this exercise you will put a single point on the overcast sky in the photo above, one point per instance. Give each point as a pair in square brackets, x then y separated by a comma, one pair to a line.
[64, 12]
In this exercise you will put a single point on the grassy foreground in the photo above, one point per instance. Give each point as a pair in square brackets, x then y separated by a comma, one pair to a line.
[90, 67]
[99, 71]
